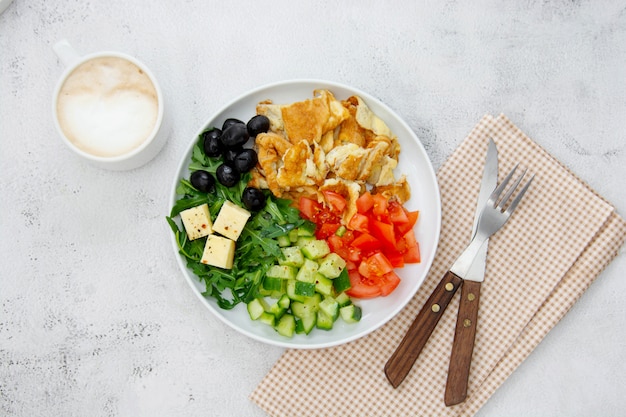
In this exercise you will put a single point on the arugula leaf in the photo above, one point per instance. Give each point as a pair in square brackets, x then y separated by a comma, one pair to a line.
[257, 248]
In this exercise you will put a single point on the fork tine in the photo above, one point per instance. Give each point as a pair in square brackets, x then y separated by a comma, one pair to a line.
[495, 195]
[518, 198]
[512, 189]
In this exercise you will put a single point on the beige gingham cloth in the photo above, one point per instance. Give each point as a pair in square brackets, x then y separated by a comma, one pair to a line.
[561, 237]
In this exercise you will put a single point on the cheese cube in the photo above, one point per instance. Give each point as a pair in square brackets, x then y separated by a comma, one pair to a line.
[197, 221]
[231, 220]
[219, 251]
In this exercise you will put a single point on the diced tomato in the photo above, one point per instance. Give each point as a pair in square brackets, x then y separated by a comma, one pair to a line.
[362, 288]
[380, 205]
[342, 248]
[375, 265]
[326, 229]
[336, 201]
[388, 283]
[365, 202]
[383, 231]
[366, 242]
[397, 214]
[309, 208]
[395, 258]
[412, 217]
[412, 254]
[359, 222]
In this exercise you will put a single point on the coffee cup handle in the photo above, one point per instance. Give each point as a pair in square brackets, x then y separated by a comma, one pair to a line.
[66, 53]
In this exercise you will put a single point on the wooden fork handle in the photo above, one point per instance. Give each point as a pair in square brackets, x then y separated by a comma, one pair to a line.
[463, 345]
[401, 361]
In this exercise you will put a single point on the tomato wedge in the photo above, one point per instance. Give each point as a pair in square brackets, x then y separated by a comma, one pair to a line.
[309, 208]
[388, 283]
[375, 265]
[366, 242]
[383, 231]
[336, 201]
[362, 288]
[359, 222]
[365, 202]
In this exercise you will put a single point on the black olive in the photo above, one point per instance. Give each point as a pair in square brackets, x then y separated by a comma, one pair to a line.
[245, 160]
[253, 199]
[212, 142]
[230, 122]
[203, 181]
[227, 175]
[258, 124]
[230, 154]
[235, 135]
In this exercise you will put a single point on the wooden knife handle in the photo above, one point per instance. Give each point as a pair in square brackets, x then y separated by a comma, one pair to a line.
[401, 362]
[463, 345]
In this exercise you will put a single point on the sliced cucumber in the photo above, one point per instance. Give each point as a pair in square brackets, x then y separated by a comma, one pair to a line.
[315, 249]
[324, 285]
[324, 321]
[292, 256]
[306, 289]
[255, 309]
[282, 272]
[286, 326]
[351, 313]
[332, 265]
[342, 282]
[272, 284]
[330, 307]
[307, 272]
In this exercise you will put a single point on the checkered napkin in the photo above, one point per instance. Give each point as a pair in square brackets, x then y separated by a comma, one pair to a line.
[561, 237]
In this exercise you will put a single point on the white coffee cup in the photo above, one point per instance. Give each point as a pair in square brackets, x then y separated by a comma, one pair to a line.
[108, 108]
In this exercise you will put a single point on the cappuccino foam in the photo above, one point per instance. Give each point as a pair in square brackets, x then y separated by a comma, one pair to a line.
[107, 106]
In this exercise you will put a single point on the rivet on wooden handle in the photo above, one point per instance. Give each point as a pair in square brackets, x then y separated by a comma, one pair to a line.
[463, 345]
[401, 361]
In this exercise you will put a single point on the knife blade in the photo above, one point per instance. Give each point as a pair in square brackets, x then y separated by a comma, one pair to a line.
[465, 330]
[402, 359]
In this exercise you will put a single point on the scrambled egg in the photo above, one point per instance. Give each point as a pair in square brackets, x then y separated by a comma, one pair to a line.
[326, 144]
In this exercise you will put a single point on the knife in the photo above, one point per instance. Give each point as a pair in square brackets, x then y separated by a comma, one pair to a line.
[467, 317]
[401, 361]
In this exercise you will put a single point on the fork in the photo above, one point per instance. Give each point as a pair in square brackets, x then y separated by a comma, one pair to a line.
[493, 216]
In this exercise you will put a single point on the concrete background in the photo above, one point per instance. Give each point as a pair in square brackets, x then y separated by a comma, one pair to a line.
[95, 317]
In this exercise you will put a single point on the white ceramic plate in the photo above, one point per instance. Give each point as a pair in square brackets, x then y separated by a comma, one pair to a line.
[413, 162]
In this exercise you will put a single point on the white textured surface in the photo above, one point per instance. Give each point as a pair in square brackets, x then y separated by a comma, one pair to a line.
[95, 318]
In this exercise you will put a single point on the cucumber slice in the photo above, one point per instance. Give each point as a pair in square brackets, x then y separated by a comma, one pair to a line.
[293, 235]
[282, 272]
[306, 324]
[324, 285]
[273, 284]
[255, 309]
[315, 249]
[324, 321]
[342, 282]
[267, 318]
[306, 289]
[308, 271]
[330, 307]
[286, 326]
[332, 265]
[291, 291]
[301, 241]
[292, 257]
[350, 313]
[283, 241]
[307, 229]
[280, 307]
[343, 299]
